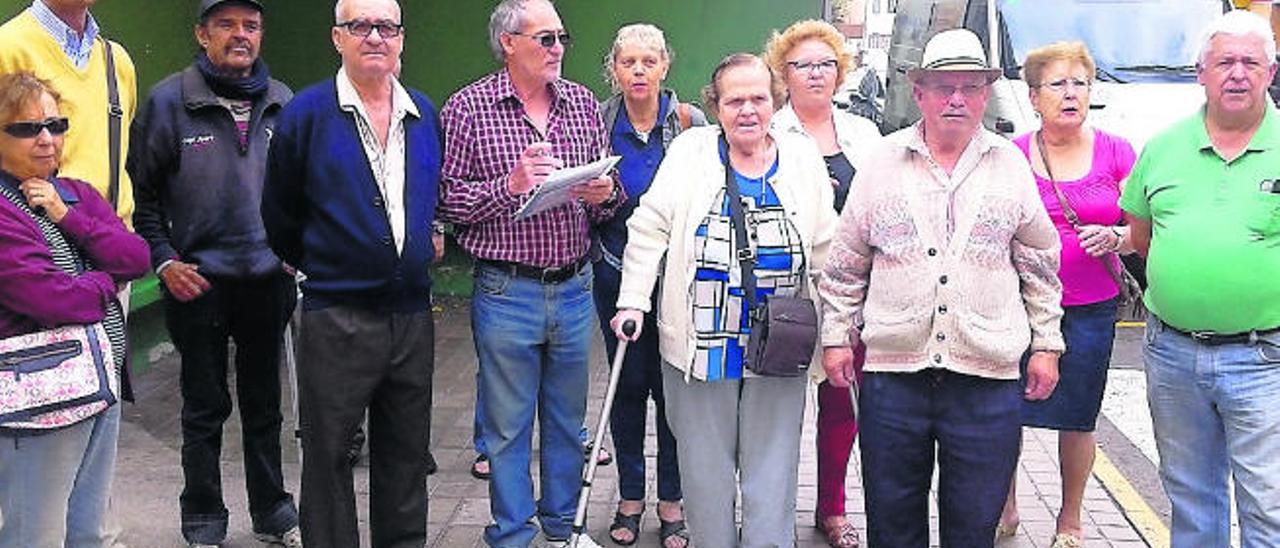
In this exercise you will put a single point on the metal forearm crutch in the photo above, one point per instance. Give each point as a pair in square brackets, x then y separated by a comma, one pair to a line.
[589, 472]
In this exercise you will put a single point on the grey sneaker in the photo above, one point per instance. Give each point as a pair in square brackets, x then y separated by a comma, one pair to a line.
[289, 539]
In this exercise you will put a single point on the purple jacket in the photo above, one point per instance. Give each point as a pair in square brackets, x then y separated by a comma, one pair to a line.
[35, 293]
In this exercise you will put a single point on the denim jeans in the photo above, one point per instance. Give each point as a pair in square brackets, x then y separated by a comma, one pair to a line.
[533, 341]
[253, 314]
[1216, 412]
[641, 378]
[973, 425]
[55, 486]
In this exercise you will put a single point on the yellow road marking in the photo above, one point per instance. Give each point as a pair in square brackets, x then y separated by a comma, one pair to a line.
[1131, 324]
[1135, 508]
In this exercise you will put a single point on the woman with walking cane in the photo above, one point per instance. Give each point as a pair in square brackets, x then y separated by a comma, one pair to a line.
[736, 414]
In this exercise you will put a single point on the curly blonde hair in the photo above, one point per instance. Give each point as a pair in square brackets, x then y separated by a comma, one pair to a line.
[780, 44]
[1040, 58]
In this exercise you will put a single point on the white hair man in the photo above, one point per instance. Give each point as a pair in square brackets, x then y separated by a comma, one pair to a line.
[350, 198]
[532, 309]
[951, 261]
[1204, 205]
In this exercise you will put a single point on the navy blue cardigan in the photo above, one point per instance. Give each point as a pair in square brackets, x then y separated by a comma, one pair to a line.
[324, 213]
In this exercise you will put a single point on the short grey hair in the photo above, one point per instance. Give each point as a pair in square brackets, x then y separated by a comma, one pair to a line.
[1239, 23]
[507, 18]
[641, 35]
[341, 4]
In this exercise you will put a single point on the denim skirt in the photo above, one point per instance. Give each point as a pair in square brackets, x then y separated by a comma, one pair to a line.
[1089, 331]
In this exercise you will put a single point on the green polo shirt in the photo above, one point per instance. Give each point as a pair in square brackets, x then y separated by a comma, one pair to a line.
[1214, 262]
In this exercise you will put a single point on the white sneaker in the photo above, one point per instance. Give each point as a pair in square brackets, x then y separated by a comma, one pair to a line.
[289, 539]
[583, 541]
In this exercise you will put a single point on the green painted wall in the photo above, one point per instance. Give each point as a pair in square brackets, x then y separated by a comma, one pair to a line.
[446, 40]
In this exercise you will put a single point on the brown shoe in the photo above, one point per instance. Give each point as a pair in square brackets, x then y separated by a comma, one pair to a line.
[843, 535]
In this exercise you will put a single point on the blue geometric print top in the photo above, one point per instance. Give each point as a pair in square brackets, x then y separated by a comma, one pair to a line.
[720, 318]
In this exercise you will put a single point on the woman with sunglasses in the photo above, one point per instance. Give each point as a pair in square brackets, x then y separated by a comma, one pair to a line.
[811, 57]
[54, 484]
[642, 118]
[1079, 171]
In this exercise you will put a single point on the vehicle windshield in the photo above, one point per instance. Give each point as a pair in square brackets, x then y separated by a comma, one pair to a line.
[1128, 39]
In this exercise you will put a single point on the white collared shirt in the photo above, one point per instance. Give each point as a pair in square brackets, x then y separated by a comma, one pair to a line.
[77, 46]
[386, 163]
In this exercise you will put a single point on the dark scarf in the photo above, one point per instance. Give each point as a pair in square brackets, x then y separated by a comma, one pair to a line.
[232, 87]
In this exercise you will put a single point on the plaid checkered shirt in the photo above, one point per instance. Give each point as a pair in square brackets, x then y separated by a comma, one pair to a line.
[486, 131]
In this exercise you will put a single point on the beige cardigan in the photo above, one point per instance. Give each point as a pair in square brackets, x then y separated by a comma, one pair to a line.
[660, 233]
[956, 272]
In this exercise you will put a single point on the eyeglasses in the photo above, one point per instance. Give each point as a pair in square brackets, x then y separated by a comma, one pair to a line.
[548, 39]
[967, 90]
[825, 65]
[1060, 86]
[363, 29]
[27, 130]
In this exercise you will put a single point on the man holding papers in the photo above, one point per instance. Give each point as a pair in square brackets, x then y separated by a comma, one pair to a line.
[532, 309]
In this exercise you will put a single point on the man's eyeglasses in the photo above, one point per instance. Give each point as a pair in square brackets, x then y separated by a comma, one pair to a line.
[27, 130]
[1060, 86]
[825, 65]
[967, 90]
[363, 29]
[548, 39]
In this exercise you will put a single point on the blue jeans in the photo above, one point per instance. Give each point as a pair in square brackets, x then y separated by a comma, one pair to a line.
[974, 426]
[641, 378]
[1216, 412]
[533, 341]
[55, 487]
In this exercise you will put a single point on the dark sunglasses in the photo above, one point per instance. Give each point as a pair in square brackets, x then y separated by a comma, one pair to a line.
[548, 39]
[27, 130]
[362, 29]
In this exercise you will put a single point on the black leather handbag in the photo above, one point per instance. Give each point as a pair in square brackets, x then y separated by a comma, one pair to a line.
[784, 330]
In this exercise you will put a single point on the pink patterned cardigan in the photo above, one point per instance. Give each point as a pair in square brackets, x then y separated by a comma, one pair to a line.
[930, 270]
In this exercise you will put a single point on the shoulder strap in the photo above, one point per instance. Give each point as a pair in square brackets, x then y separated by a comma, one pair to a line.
[686, 117]
[746, 255]
[114, 116]
[1071, 213]
[1062, 198]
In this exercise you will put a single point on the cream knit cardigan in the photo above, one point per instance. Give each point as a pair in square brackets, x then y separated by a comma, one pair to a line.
[957, 272]
[660, 233]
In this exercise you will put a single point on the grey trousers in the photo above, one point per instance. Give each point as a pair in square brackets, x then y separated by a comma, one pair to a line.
[352, 360]
[745, 434]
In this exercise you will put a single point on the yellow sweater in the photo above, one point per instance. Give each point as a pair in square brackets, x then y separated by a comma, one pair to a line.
[26, 45]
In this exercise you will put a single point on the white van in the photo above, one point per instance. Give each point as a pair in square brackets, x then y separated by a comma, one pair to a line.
[1144, 49]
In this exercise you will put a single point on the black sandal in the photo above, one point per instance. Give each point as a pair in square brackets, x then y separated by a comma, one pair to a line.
[475, 470]
[674, 528]
[625, 522]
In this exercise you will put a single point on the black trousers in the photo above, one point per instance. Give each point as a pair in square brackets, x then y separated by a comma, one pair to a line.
[253, 314]
[352, 360]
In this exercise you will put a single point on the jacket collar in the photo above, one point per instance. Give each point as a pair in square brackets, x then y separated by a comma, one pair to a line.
[196, 93]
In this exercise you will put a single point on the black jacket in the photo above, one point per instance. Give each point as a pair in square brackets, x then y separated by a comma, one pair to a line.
[197, 191]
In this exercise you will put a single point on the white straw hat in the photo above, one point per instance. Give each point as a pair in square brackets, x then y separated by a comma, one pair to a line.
[955, 50]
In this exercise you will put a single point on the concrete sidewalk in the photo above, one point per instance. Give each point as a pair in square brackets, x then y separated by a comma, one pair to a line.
[149, 477]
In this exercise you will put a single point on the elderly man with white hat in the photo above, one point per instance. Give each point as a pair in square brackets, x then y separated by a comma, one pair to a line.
[945, 266]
